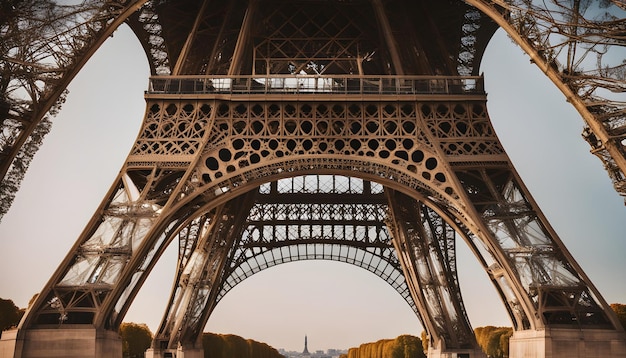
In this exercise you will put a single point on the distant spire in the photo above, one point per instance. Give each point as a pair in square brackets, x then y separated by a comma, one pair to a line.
[306, 350]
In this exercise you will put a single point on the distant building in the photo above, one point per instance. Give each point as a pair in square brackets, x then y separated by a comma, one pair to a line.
[306, 350]
[331, 353]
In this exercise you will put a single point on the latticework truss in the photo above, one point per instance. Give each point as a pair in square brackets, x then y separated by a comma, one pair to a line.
[426, 245]
[581, 46]
[43, 44]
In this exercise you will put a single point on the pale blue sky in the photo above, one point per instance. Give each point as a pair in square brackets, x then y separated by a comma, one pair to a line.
[336, 305]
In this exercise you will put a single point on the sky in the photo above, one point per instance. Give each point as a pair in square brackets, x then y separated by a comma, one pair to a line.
[335, 304]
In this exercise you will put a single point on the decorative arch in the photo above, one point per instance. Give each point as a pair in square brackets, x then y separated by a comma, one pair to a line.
[336, 218]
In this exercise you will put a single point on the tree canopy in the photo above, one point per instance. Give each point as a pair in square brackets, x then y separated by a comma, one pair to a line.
[232, 346]
[405, 346]
[10, 314]
[136, 338]
[620, 310]
[494, 341]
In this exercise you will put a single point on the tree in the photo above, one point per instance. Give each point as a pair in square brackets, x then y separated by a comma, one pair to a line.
[232, 346]
[494, 341]
[620, 310]
[10, 314]
[405, 346]
[136, 338]
[424, 337]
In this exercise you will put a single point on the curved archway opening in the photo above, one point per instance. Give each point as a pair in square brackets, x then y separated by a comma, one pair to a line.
[337, 305]
[299, 221]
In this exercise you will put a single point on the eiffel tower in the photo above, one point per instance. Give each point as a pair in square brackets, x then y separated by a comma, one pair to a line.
[347, 130]
[305, 352]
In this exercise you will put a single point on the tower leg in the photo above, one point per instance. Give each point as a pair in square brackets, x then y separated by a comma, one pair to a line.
[557, 343]
[10, 346]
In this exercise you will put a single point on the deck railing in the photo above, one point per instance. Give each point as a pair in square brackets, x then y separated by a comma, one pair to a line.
[312, 84]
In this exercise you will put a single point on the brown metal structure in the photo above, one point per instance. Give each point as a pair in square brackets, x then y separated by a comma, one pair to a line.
[283, 130]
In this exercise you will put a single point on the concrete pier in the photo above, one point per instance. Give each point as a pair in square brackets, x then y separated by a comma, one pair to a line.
[181, 352]
[456, 353]
[60, 343]
[567, 343]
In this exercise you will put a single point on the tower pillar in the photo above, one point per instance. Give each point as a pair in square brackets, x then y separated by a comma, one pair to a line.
[556, 343]
[461, 353]
[61, 343]
[180, 352]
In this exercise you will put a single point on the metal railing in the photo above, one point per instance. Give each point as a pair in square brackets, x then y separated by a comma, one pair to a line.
[316, 84]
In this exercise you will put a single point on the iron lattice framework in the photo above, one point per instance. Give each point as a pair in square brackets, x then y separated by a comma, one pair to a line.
[577, 44]
[278, 131]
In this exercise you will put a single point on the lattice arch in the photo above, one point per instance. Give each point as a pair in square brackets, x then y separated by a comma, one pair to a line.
[314, 217]
[353, 233]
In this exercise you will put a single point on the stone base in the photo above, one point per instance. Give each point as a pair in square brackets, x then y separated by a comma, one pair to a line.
[181, 352]
[60, 343]
[568, 343]
[160, 353]
[457, 353]
[9, 344]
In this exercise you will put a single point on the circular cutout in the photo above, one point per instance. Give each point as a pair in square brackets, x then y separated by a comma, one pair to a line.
[431, 163]
[306, 127]
[238, 144]
[390, 144]
[322, 127]
[255, 144]
[290, 126]
[255, 158]
[417, 156]
[273, 144]
[371, 127]
[212, 163]
[225, 155]
[273, 127]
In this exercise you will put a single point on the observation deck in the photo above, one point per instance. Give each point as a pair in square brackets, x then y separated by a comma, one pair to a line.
[328, 86]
